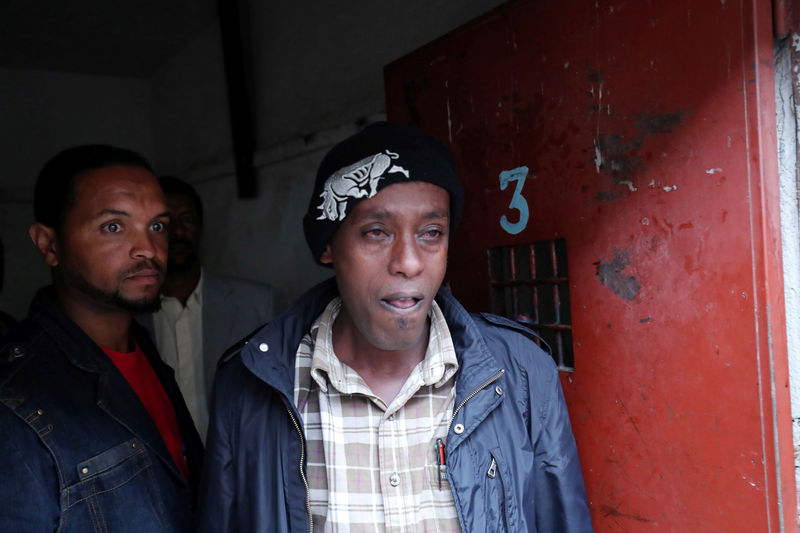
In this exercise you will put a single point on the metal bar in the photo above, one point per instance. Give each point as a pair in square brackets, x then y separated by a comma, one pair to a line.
[552, 327]
[530, 282]
[512, 259]
[535, 288]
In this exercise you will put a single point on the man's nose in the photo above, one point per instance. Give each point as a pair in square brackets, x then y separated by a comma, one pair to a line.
[143, 245]
[406, 256]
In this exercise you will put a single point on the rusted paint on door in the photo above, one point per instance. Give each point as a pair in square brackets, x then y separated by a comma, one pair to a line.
[648, 132]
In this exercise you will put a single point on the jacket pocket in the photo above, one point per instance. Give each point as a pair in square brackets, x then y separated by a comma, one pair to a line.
[501, 505]
[103, 465]
[116, 491]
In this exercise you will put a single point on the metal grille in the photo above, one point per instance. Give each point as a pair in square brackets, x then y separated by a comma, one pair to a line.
[529, 284]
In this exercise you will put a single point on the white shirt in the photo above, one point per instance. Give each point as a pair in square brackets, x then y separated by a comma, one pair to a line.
[179, 338]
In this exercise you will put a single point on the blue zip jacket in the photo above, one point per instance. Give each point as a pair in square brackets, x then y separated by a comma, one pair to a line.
[512, 461]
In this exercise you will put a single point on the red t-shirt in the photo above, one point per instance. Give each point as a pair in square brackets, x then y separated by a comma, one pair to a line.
[140, 375]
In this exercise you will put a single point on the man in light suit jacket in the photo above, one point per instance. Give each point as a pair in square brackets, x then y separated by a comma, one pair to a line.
[201, 314]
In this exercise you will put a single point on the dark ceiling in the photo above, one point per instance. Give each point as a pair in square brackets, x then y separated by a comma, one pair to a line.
[129, 38]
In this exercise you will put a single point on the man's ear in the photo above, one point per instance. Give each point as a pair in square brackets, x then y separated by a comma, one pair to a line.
[44, 238]
[326, 258]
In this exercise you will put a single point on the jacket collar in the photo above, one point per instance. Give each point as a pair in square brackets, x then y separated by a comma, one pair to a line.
[80, 350]
[476, 363]
[270, 353]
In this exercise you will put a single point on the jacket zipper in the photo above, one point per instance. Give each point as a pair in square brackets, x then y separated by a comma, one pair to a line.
[492, 472]
[468, 398]
[457, 409]
[302, 473]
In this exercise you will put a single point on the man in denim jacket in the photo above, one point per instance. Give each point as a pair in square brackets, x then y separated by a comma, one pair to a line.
[376, 402]
[95, 434]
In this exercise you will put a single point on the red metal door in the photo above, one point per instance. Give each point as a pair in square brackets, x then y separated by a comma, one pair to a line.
[648, 133]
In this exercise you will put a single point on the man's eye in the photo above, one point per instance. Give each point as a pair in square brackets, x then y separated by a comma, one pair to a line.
[432, 233]
[159, 227]
[374, 233]
[112, 227]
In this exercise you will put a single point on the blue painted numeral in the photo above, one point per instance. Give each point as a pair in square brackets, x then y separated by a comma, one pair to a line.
[518, 202]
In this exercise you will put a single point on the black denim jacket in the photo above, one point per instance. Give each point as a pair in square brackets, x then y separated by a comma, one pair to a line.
[78, 450]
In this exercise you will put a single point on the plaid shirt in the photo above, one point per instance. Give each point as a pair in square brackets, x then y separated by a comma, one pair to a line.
[373, 467]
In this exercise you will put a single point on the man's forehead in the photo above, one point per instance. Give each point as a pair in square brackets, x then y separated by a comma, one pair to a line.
[431, 200]
[386, 212]
[102, 188]
[115, 176]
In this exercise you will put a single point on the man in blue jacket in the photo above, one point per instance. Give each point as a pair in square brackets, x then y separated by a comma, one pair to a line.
[95, 433]
[376, 402]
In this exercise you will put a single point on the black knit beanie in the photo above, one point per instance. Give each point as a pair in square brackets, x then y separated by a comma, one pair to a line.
[360, 166]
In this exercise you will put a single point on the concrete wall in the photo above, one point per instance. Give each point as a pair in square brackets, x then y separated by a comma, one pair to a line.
[317, 76]
[43, 113]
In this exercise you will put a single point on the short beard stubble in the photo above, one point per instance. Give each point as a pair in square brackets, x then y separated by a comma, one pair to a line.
[75, 279]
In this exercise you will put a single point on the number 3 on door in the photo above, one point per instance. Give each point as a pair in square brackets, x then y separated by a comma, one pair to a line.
[518, 202]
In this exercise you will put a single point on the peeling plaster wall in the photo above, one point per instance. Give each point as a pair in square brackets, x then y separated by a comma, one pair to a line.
[787, 113]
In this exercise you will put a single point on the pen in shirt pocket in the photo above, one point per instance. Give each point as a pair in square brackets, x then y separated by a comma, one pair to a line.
[440, 460]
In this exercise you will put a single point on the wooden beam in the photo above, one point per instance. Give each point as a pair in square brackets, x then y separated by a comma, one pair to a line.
[238, 98]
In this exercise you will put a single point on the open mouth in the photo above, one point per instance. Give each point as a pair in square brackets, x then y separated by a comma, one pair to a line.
[401, 302]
